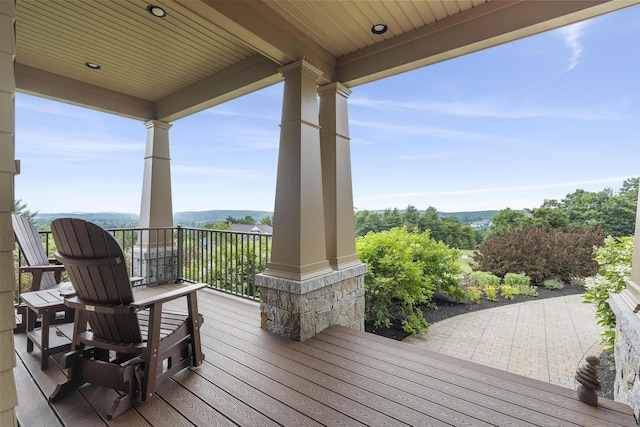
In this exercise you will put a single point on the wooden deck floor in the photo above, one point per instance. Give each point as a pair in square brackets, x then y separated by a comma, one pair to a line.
[341, 377]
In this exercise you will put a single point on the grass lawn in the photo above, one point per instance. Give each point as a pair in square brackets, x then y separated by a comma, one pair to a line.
[465, 261]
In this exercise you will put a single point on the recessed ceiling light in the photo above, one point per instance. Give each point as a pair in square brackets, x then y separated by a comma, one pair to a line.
[92, 65]
[379, 29]
[156, 11]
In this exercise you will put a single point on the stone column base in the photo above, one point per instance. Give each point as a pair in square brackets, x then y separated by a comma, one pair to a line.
[301, 309]
[156, 265]
[627, 354]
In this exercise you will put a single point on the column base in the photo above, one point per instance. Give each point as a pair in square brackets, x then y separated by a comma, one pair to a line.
[156, 265]
[301, 309]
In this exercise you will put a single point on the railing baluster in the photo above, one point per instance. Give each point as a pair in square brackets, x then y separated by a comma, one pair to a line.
[225, 260]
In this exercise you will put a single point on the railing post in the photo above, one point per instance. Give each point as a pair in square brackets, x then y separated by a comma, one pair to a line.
[180, 232]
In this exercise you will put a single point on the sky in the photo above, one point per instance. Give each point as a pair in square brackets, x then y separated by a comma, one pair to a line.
[507, 127]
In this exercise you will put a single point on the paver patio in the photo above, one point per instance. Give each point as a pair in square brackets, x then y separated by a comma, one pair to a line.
[546, 339]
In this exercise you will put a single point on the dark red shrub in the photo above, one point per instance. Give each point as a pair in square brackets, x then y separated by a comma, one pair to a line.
[540, 254]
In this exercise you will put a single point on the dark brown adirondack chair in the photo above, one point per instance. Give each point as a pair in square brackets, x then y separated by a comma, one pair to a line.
[132, 343]
[45, 272]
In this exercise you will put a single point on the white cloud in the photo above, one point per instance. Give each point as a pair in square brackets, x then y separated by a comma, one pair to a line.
[572, 35]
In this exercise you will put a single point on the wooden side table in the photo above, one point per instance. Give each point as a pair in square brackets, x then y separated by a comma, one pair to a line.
[52, 337]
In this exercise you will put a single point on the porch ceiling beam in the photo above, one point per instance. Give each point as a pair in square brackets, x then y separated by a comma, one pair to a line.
[490, 24]
[245, 77]
[260, 29]
[59, 88]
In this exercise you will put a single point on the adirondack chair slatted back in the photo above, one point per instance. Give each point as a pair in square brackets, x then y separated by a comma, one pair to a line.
[33, 250]
[96, 266]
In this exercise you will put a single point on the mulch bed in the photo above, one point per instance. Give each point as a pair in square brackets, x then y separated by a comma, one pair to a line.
[446, 308]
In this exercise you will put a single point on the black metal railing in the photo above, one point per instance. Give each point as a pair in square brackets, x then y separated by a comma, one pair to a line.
[224, 260]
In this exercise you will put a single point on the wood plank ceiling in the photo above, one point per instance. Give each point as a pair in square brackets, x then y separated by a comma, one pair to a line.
[204, 52]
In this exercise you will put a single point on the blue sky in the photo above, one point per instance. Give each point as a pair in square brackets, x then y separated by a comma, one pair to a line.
[509, 126]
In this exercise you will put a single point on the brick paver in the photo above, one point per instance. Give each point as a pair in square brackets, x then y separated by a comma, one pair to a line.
[545, 339]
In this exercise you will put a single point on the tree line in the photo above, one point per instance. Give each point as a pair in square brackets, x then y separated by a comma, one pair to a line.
[612, 212]
[448, 230]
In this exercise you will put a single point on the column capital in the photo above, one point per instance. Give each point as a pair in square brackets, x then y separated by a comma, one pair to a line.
[157, 124]
[302, 66]
[335, 87]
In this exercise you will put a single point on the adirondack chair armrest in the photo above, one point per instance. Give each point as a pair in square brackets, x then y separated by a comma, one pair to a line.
[79, 304]
[164, 296]
[32, 268]
[137, 305]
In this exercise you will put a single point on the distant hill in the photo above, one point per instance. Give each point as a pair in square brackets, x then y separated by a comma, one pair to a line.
[126, 220]
[198, 218]
[103, 219]
[470, 217]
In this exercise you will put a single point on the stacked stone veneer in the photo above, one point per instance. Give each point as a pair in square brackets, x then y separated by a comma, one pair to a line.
[156, 265]
[627, 354]
[301, 309]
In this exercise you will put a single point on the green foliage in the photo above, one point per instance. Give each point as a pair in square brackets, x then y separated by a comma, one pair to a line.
[508, 291]
[447, 229]
[613, 212]
[491, 292]
[482, 279]
[553, 285]
[405, 269]
[474, 294]
[540, 253]
[267, 220]
[614, 258]
[507, 219]
[21, 209]
[248, 220]
[220, 225]
[517, 280]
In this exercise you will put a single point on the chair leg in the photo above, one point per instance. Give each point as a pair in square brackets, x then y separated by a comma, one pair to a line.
[195, 320]
[131, 377]
[21, 311]
[71, 361]
[83, 367]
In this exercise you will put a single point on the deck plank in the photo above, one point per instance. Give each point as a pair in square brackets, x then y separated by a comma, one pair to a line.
[549, 394]
[32, 412]
[341, 377]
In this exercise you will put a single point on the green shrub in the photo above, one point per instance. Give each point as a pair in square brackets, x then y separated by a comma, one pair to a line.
[474, 294]
[614, 258]
[517, 280]
[521, 284]
[491, 292]
[529, 291]
[482, 279]
[405, 269]
[508, 291]
[553, 285]
[540, 253]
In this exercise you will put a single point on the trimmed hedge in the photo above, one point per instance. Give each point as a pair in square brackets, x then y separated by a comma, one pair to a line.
[540, 253]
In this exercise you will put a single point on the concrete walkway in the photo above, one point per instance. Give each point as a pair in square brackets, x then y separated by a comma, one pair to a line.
[545, 339]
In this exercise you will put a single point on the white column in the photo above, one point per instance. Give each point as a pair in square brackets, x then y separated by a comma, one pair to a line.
[299, 250]
[8, 394]
[157, 207]
[336, 176]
